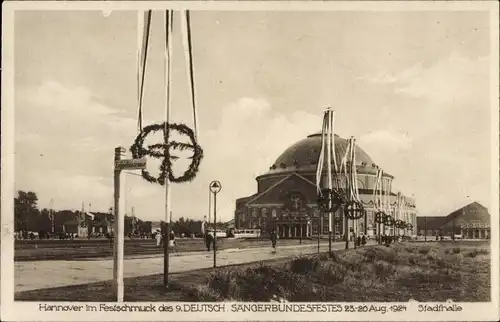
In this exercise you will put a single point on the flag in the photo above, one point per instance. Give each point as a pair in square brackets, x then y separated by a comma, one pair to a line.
[188, 55]
[143, 32]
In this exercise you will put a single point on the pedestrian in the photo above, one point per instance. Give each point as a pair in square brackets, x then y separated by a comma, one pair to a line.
[274, 238]
[363, 240]
[208, 240]
[171, 242]
[158, 239]
[358, 241]
[111, 236]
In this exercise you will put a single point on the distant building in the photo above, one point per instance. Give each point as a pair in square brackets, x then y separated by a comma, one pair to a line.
[471, 222]
[286, 197]
[156, 226]
[230, 224]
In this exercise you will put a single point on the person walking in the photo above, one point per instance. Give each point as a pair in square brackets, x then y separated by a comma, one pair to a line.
[274, 239]
[171, 241]
[209, 239]
[158, 239]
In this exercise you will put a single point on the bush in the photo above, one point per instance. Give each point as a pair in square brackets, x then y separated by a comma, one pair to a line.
[204, 293]
[410, 249]
[353, 260]
[424, 250]
[383, 269]
[331, 273]
[367, 273]
[222, 282]
[304, 265]
[380, 253]
[477, 251]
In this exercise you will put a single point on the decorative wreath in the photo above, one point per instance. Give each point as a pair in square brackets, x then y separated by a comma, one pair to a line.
[354, 210]
[389, 221]
[339, 198]
[409, 226]
[161, 150]
[323, 199]
[380, 217]
[399, 224]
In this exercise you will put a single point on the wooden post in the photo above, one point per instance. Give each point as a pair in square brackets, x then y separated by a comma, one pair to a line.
[301, 232]
[346, 231]
[118, 233]
[319, 226]
[425, 227]
[354, 233]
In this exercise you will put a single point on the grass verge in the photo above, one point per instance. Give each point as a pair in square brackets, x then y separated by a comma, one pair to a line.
[438, 272]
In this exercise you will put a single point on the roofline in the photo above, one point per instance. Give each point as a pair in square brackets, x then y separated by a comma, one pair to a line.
[277, 184]
[310, 170]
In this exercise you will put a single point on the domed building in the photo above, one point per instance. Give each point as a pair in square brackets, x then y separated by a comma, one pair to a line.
[286, 197]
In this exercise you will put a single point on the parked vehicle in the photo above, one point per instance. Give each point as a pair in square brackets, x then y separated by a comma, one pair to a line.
[219, 233]
[247, 233]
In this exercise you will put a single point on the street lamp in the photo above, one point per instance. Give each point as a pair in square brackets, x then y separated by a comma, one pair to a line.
[215, 187]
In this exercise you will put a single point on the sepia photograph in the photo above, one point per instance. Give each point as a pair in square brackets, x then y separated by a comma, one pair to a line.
[193, 155]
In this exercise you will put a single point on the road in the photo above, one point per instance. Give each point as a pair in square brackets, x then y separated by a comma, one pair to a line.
[47, 274]
[34, 250]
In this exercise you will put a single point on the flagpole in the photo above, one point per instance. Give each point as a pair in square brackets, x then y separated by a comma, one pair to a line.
[168, 15]
[329, 167]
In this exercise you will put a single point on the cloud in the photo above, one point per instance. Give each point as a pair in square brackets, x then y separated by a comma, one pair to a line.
[246, 142]
[72, 158]
[70, 190]
[387, 140]
[452, 80]
[64, 138]
[106, 12]
[60, 99]
[392, 78]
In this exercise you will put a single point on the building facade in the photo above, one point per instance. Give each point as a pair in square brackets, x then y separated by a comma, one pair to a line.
[286, 197]
[469, 222]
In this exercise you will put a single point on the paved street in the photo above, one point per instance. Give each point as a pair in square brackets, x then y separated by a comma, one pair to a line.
[47, 274]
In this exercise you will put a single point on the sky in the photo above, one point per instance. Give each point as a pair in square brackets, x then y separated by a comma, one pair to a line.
[412, 87]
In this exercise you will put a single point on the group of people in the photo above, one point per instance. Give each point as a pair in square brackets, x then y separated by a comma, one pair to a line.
[360, 240]
[387, 239]
[159, 239]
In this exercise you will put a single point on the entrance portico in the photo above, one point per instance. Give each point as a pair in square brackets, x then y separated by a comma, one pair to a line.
[292, 229]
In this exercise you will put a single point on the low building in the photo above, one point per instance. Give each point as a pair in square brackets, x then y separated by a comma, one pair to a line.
[470, 222]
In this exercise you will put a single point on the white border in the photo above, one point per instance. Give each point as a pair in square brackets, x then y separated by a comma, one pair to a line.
[25, 311]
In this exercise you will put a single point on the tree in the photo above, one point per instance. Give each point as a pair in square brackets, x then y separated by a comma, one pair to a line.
[26, 213]
[45, 222]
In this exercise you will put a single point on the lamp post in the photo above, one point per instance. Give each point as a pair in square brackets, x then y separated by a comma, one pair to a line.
[215, 187]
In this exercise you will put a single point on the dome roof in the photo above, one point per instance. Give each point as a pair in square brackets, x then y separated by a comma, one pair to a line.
[305, 154]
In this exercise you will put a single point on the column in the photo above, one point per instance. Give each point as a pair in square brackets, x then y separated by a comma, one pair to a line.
[289, 231]
[278, 230]
[307, 230]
